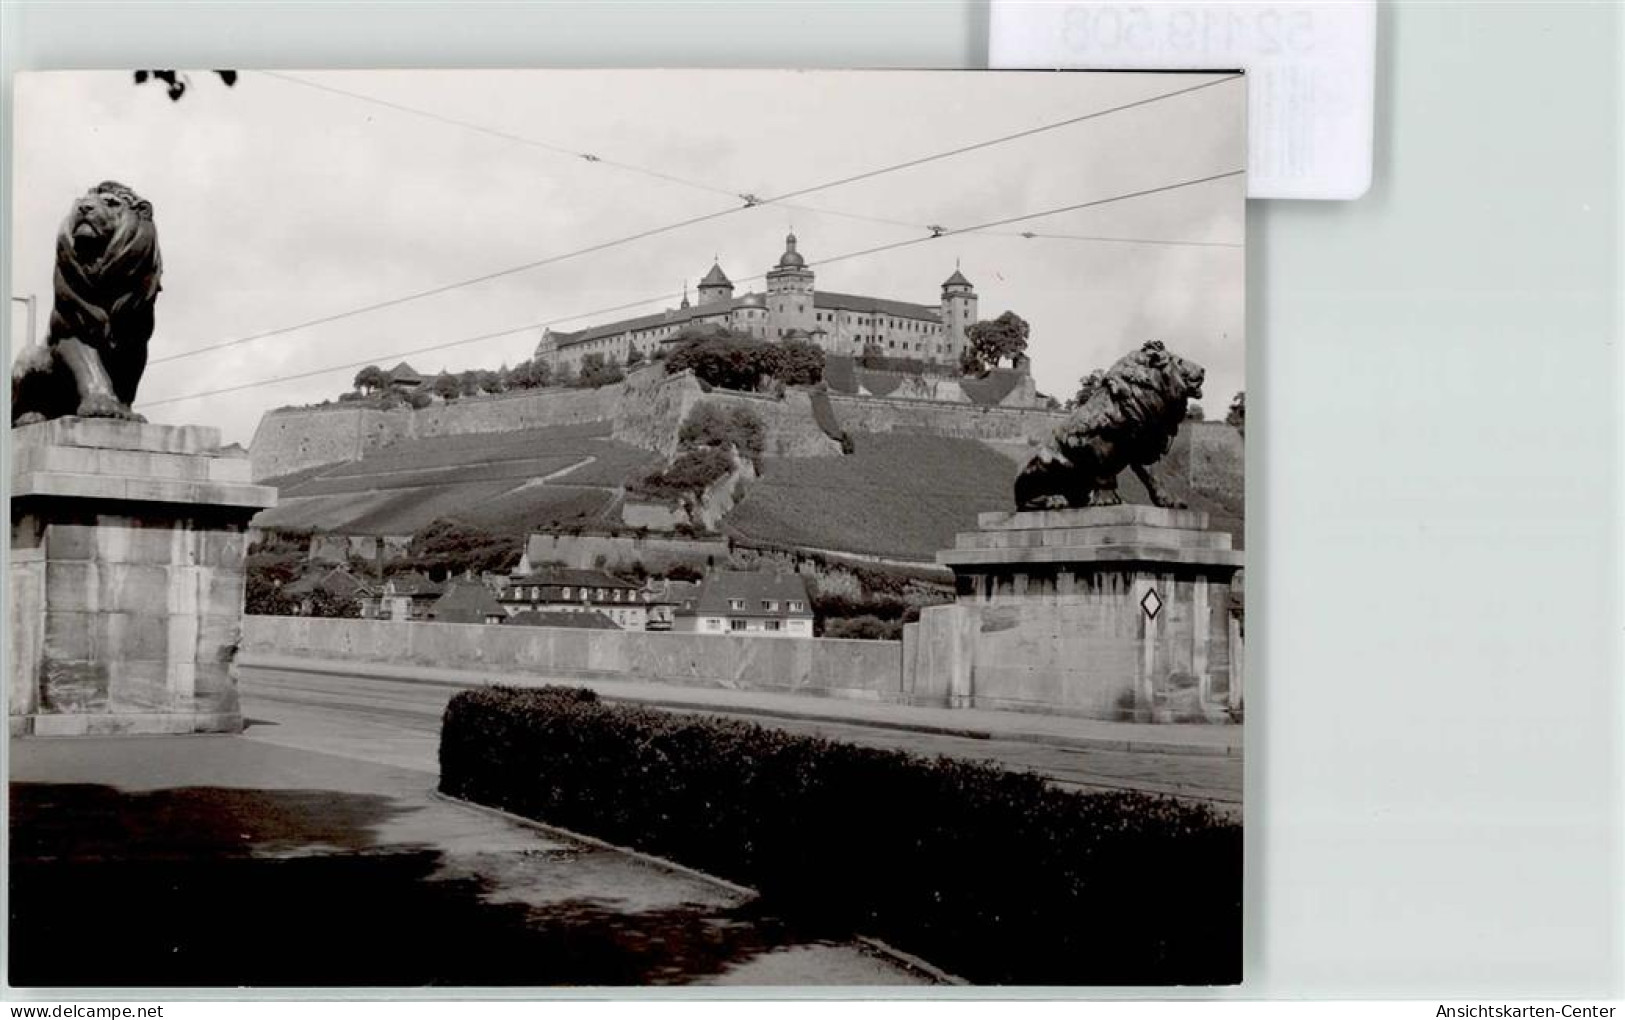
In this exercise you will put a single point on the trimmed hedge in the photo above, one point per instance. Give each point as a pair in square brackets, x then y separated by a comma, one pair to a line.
[994, 875]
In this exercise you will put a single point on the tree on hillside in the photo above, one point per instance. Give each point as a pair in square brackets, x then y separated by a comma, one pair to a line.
[446, 386]
[999, 339]
[597, 370]
[530, 375]
[795, 362]
[723, 358]
[446, 548]
[711, 426]
[1237, 415]
[371, 379]
[1086, 388]
[635, 357]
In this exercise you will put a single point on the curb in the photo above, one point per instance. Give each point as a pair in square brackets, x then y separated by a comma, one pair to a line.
[413, 674]
[907, 961]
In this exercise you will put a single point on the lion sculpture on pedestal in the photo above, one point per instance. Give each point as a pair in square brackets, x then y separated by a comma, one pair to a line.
[107, 282]
[1126, 417]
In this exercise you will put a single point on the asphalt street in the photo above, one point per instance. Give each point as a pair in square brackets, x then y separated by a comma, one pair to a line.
[397, 722]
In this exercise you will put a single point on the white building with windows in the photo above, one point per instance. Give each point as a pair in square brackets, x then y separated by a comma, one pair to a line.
[561, 590]
[752, 602]
[790, 309]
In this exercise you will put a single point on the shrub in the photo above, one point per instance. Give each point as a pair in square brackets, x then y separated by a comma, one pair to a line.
[739, 427]
[865, 627]
[597, 371]
[994, 875]
[735, 361]
[689, 474]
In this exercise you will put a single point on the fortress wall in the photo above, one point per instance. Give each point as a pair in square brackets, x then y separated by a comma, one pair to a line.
[992, 424]
[646, 412]
[510, 412]
[790, 428]
[867, 670]
[652, 406]
[289, 441]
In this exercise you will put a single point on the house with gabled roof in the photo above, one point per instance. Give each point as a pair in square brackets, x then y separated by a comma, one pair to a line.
[407, 596]
[467, 601]
[566, 590]
[338, 584]
[766, 603]
[404, 376]
[569, 620]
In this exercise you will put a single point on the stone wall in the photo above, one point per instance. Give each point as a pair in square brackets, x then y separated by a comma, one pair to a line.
[789, 428]
[653, 406]
[869, 670]
[991, 424]
[292, 440]
[645, 411]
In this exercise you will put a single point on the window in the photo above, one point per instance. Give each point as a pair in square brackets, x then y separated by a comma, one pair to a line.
[713, 624]
[566, 593]
[736, 604]
[736, 624]
[794, 606]
[770, 606]
[771, 625]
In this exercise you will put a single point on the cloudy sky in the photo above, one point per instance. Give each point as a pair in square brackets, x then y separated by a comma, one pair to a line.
[291, 198]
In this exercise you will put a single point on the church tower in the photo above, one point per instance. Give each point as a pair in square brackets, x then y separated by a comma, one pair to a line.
[958, 313]
[715, 287]
[789, 294]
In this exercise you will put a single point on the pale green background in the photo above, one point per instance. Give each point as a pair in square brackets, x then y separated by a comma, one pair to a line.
[1435, 780]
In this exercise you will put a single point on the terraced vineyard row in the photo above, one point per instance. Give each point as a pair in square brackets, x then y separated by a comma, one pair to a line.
[491, 480]
[895, 495]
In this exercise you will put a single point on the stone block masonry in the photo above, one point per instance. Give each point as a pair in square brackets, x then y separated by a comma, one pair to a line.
[865, 670]
[126, 577]
[1118, 612]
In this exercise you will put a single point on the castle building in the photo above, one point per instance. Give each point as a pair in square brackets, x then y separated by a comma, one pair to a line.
[791, 308]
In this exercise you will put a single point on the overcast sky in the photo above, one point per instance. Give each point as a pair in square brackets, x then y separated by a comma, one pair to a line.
[278, 202]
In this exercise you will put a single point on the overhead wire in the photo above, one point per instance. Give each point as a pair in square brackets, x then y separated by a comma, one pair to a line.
[892, 246]
[750, 201]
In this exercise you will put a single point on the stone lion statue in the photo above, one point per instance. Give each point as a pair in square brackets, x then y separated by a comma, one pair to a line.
[1126, 417]
[107, 272]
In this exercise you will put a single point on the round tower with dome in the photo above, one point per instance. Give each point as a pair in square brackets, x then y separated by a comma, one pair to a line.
[790, 294]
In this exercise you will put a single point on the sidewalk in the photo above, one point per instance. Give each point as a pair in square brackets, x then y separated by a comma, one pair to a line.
[984, 724]
[225, 861]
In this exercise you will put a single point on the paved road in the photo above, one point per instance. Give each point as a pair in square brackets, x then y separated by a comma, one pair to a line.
[398, 723]
[262, 861]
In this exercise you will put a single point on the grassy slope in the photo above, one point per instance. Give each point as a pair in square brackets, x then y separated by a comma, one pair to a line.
[906, 495]
[492, 480]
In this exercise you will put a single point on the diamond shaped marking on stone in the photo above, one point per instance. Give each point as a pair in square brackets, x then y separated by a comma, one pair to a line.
[1151, 603]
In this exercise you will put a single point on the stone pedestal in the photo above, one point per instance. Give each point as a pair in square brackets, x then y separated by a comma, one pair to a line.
[1116, 612]
[126, 577]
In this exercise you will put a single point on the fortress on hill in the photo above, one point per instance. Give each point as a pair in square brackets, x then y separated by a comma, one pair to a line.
[790, 309]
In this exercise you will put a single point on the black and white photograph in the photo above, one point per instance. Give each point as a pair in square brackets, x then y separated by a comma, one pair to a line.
[626, 528]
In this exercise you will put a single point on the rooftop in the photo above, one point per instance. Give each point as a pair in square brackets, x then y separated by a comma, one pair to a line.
[465, 602]
[579, 621]
[753, 587]
[716, 278]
